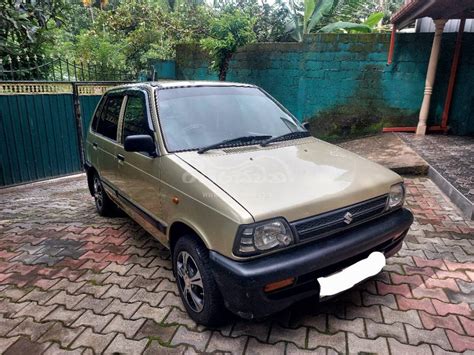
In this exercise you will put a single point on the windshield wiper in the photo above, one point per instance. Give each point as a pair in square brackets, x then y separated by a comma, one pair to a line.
[228, 142]
[287, 136]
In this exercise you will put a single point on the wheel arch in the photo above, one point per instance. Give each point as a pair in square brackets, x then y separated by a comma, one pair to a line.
[179, 229]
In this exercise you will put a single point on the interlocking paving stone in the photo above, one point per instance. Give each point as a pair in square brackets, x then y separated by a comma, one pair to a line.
[155, 313]
[7, 324]
[358, 345]
[55, 349]
[125, 309]
[128, 327]
[65, 299]
[355, 326]
[294, 350]
[436, 336]
[24, 345]
[219, 343]
[408, 317]
[297, 336]
[5, 343]
[35, 310]
[88, 338]
[64, 315]
[336, 341]
[94, 304]
[156, 348]
[7, 307]
[197, 339]
[254, 347]
[259, 330]
[400, 348]
[115, 276]
[122, 345]
[30, 328]
[152, 329]
[61, 334]
[90, 319]
[460, 342]
[395, 330]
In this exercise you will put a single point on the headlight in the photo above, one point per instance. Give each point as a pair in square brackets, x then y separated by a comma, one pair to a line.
[261, 237]
[396, 196]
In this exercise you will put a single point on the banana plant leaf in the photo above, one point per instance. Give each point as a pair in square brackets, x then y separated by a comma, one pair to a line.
[374, 19]
[315, 11]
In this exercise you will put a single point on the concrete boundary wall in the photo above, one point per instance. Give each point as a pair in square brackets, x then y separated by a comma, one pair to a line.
[341, 82]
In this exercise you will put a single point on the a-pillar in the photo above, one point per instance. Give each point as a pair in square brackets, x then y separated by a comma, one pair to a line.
[430, 77]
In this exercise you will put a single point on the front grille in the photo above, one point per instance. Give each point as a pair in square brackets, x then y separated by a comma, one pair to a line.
[319, 226]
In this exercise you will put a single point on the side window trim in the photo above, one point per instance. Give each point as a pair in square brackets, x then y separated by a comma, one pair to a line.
[121, 116]
[137, 92]
[144, 94]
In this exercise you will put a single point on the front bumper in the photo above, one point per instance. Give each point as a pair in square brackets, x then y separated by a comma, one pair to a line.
[241, 282]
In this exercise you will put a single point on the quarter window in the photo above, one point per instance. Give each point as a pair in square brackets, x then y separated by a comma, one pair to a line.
[135, 119]
[108, 122]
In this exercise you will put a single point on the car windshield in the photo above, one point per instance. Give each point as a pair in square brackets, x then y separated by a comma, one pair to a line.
[196, 117]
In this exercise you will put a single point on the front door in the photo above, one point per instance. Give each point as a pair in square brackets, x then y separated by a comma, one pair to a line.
[138, 172]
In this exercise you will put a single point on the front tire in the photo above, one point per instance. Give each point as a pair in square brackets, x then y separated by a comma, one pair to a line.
[197, 287]
[104, 205]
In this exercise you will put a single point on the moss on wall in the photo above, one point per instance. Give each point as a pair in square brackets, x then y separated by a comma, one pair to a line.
[359, 117]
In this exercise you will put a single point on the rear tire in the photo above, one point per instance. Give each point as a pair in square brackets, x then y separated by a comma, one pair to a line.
[104, 205]
[197, 287]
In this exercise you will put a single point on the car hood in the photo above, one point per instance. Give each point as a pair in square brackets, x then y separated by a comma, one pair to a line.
[293, 179]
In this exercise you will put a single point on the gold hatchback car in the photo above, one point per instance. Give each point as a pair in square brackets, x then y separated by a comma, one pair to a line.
[256, 212]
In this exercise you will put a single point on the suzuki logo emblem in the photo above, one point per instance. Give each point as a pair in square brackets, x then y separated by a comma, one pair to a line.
[348, 218]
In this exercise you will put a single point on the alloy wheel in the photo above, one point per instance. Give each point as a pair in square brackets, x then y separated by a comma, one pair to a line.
[98, 193]
[190, 281]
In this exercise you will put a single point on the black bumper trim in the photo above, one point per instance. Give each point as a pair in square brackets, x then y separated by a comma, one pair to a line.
[242, 282]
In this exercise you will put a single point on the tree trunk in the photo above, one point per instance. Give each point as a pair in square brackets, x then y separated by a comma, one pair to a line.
[224, 67]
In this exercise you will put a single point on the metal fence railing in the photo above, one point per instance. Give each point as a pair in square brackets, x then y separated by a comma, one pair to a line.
[59, 69]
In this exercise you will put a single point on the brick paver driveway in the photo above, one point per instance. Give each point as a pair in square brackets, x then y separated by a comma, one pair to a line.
[70, 279]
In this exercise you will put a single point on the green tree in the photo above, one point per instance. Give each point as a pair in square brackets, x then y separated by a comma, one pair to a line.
[24, 24]
[228, 31]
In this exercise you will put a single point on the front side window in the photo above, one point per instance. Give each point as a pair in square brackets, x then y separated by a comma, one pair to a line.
[135, 120]
[194, 117]
[108, 121]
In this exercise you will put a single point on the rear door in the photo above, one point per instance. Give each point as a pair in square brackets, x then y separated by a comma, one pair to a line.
[138, 172]
[107, 138]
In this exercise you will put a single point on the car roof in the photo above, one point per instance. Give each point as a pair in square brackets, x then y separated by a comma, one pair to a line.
[172, 84]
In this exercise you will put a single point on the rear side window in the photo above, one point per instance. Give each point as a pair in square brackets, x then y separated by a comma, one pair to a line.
[95, 119]
[108, 121]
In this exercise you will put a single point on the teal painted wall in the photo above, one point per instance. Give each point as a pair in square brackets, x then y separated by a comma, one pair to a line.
[341, 81]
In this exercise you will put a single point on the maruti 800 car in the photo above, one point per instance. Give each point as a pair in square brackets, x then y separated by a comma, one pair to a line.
[256, 212]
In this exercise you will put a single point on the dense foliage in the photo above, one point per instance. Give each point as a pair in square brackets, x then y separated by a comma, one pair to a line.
[128, 34]
[24, 24]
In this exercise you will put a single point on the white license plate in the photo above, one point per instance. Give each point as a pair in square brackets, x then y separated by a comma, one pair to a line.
[351, 275]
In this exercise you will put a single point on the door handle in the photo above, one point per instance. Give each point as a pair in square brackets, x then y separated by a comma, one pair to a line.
[120, 157]
[94, 146]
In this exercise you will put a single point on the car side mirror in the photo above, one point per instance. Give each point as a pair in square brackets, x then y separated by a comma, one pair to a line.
[140, 143]
[306, 125]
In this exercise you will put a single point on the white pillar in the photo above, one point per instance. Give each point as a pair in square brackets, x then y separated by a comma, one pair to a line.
[430, 77]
